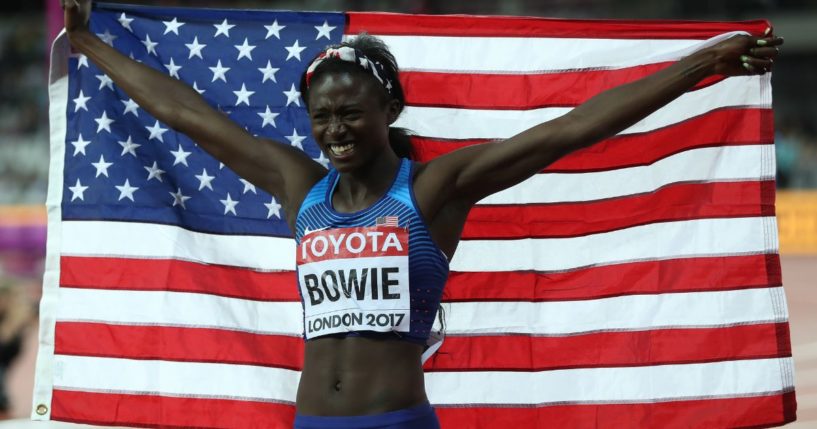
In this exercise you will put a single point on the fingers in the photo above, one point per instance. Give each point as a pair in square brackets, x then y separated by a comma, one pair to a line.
[765, 52]
[756, 65]
[769, 41]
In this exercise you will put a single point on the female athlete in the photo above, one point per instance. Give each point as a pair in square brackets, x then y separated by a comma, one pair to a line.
[375, 233]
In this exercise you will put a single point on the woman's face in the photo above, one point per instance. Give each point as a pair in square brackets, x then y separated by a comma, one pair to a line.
[350, 120]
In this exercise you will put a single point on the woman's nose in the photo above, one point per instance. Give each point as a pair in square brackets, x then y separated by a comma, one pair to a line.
[336, 127]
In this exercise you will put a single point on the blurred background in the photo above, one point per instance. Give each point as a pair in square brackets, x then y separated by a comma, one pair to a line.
[27, 27]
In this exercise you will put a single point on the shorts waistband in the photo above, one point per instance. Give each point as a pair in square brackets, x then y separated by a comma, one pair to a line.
[366, 421]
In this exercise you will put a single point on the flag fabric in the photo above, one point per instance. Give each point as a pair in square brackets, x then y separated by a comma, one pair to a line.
[635, 283]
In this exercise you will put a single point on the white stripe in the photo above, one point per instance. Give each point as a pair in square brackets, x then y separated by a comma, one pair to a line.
[609, 385]
[145, 240]
[646, 242]
[176, 378]
[453, 123]
[180, 309]
[605, 385]
[634, 312]
[537, 318]
[533, 54]
[58, 99]
[667, 240]
[725, 163]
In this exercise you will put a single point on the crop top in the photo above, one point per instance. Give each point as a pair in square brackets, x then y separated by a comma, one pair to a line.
[375, 272]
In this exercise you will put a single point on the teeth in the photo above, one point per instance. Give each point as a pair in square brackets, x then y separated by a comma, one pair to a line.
[341, 149]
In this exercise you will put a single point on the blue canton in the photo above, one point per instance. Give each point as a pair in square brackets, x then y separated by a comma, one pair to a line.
[123, 164]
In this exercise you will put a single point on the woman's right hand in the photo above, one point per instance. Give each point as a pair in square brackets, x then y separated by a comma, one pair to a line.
[77, 13]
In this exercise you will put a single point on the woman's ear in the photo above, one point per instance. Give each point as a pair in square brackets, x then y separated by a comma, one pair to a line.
[393, 109]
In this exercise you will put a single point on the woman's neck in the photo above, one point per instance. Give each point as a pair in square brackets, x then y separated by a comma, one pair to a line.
[359, 189]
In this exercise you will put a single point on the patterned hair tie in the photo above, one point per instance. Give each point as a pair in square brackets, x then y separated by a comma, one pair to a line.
[352, 55]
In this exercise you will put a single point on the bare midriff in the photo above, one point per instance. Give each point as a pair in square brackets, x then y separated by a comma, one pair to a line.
[360, 376]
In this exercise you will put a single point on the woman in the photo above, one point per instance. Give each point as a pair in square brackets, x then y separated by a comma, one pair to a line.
[370, 289]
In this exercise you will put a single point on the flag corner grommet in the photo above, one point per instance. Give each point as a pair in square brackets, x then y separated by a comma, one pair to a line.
[42, 409]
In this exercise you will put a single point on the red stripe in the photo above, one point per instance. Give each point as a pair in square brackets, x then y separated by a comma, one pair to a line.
[171, 412]
[178, 344]
[649, 277]
[458, 353]
[754, 412]
[167, 412]
[610, 349]
[513, 91]
[494, 26]
[722, 127]
[683, 201]
[177, 276]
[672, 275]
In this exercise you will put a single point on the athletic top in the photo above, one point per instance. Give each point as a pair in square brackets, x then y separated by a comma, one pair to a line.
[375, 272]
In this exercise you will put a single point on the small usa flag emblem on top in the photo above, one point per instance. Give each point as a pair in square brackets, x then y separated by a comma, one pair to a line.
[387, 221]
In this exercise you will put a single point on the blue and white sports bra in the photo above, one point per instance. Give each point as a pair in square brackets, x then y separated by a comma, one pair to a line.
[373, 272]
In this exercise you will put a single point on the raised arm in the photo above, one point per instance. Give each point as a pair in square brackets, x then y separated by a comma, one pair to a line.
[478, 171]
[279, 169]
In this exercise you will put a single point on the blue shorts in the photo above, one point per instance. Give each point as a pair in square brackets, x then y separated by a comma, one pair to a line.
[419, 417]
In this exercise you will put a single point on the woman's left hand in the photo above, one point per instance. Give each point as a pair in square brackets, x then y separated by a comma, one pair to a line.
[746, 55]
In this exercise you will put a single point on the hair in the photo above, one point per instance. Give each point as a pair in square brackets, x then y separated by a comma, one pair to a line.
[377, 51]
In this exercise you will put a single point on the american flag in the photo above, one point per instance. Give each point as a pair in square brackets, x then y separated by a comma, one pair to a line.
[635, 283]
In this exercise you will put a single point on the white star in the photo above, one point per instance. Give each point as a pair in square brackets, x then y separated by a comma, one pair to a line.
[101, 166]
[79, 145]
[156, 132]
[243, 96]
[273, 208]
[324, 30]
[199, 90]
[244, 50]
[150, 45]
[82, 60]
[223, 28]
[154, 172]
[322, 160]
[173, 69]
[179, 198]
[172, 26]
[195, 48]
[204, 179]
[124, 21]
[103, 122]
[104, 81]
[77, 191]
[126, 190]
[248, 187]
[79, 102]
[128, 146]
[269, 72]
[294, 51]
[107, 37]
[180, 156]
[293, 96]
[229, 204]
[130, 107]
[295, 140]
[219, 72]
[274, 30]
[268, 118]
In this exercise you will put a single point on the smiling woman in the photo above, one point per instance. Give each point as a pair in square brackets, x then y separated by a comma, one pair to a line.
[375, 232]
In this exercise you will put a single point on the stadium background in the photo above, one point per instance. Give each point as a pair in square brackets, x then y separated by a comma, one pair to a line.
[27, 27]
